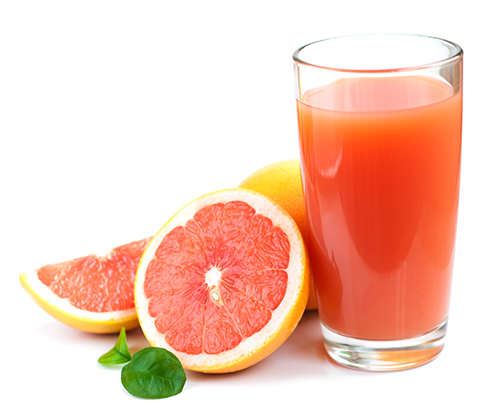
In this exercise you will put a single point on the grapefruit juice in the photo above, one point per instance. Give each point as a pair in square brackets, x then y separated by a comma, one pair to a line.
[380, 159]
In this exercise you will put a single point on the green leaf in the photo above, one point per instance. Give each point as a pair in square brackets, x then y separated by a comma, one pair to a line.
[119, 354]
[153, 373]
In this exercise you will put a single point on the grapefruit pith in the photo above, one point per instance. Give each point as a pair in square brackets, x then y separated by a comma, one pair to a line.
[224, 282]
[281, 181]
[92, 293]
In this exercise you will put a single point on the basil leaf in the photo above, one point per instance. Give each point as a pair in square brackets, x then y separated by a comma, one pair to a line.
[153, 373]
[119, 354]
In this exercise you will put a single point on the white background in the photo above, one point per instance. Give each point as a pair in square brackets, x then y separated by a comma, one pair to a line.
[115, 114]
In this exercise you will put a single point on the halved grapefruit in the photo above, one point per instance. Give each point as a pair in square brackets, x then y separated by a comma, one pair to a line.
[92, 293]
[224, 283]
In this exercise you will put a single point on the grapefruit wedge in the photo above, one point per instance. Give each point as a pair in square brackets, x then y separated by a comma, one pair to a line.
[92, 293]
[224, 283]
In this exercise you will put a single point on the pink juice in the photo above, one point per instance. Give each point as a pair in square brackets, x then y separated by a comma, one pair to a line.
[381, 168]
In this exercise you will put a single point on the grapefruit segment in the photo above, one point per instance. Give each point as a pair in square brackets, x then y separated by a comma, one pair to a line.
[224, 282]
[92, 293]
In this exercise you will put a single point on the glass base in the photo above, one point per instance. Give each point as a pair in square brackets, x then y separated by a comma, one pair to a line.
[390, 355]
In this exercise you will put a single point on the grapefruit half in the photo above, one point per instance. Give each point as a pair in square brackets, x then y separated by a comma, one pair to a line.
[92, 293]
[224, 283]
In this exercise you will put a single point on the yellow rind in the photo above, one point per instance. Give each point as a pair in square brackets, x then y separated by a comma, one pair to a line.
[273, 342]
[87, 324]
[281, 182]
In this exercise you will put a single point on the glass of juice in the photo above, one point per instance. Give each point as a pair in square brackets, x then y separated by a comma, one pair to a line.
[380, 119]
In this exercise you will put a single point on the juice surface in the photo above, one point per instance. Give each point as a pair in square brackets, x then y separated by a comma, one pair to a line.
[380, 161]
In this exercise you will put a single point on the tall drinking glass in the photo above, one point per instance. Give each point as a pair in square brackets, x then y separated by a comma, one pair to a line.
[380, 119]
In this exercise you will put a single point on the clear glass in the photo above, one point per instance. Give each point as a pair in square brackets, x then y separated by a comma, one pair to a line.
[380, 119]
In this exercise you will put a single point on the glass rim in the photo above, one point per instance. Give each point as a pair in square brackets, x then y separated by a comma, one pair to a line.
[454, 56]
